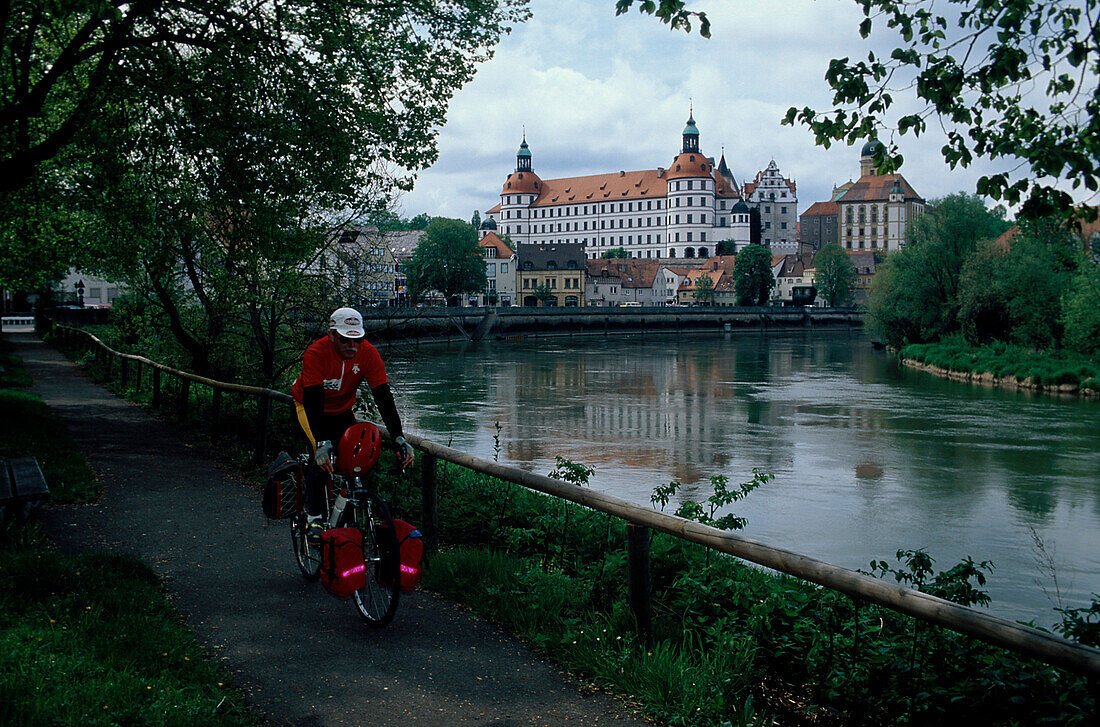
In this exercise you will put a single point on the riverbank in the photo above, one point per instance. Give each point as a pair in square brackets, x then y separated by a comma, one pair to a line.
[1007, 367]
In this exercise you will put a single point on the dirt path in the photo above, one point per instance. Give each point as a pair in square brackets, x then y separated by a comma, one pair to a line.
[303, 657]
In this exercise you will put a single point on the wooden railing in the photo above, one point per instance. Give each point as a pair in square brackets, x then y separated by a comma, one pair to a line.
[1025, 640]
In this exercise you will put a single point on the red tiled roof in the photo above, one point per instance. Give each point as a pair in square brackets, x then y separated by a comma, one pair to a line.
[821, 209]
[632, 273]
[492, 240]
[876, 188]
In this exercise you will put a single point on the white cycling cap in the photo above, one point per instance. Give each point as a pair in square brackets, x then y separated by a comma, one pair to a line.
[347, 322]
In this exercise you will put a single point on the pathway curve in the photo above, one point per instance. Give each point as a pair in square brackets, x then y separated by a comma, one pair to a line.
[303, 657]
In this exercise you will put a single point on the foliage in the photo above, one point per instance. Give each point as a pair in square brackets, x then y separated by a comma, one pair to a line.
[721, 498]
[915, 293]
[752, 275]
[729, 642]
[1012, 291]
[615, 252]
[670, 12]
[1013, 80]
[704, 289]
[447, 259]
[543, 294]
[1081, 308]
[835, 275]
[388, 221]
[726, 247]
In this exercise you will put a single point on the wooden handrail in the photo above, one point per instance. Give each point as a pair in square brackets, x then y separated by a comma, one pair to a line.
[1021, 639]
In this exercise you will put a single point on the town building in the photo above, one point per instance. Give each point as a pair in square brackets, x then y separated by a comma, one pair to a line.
[875, 212]
[819, 225]
[794, 279]
[501, 270]
[614, 281]
[551, 275]
[683, 211]
[776, 199]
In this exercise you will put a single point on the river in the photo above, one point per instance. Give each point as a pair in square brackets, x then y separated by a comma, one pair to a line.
[868, 457]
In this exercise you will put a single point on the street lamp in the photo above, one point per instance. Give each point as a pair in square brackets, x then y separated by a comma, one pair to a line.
[79, 293]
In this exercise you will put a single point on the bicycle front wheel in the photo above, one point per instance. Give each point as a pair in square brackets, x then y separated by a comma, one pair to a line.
[308, 556]
[377, 600]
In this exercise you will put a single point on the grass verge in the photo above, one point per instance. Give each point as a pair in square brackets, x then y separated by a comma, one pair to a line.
[1043, 368]
[89, 639]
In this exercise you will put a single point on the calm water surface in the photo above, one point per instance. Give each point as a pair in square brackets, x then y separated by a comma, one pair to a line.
[869, 457]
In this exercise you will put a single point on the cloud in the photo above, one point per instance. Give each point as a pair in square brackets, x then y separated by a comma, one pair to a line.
[597, 93]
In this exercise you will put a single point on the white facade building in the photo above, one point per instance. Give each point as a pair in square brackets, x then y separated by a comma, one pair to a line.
[683, 211]
[777, 200]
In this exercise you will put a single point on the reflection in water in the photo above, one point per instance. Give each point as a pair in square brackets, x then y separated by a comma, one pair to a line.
[868, 457]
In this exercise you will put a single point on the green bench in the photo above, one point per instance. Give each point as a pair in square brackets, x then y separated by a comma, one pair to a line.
[22, 486]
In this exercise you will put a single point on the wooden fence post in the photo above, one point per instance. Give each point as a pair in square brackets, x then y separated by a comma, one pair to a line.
[429, 508]
[124, 372]
[156, 387]
[107, 359]
[138, 368]
[261, 443]
[637, 555]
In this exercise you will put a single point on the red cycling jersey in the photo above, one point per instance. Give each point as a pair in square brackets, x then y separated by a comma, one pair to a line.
[322, 365]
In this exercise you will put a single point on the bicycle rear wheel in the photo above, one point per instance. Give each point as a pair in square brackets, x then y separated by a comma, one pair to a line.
[377, 600]
[308, 556]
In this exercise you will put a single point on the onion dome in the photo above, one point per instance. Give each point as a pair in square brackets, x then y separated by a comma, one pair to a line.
[871, 148]
[489, 224]
[522, 183]
[688, 165]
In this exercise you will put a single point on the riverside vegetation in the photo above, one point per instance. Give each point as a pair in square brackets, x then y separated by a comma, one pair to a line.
[730, 643]
[1023, 308]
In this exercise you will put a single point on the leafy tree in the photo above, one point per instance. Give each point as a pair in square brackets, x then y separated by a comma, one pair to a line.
[1013, 79]
[1013, 291]
[835, 276]
[447, 259]
[915, 294]
[615, 252]
[217, 93]
[752, 275]
[218, 176]
[1081, 308]
[725, 247]
[545, 295]
[704, 289]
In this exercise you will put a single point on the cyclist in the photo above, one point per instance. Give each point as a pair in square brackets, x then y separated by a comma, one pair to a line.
[333, 367]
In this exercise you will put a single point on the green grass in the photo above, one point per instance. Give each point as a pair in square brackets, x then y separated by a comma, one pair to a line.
[89, 639]
[1046, 368]
[92, 640]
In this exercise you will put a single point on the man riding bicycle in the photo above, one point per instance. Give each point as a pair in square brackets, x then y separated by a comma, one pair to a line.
[333, 367]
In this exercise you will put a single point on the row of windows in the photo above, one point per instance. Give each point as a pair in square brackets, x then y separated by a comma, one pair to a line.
[552, 283]
[688, 252]
[862, 210]
[491, 269]
[689, 184]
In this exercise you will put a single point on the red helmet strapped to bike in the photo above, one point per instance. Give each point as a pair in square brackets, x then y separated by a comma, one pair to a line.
[358, 450]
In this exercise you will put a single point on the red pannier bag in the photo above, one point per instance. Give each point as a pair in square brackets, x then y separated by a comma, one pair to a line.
[343, 571]
[282, 495]
[410, 547]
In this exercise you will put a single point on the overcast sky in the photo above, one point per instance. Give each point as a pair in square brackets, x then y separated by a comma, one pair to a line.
[598, 93]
